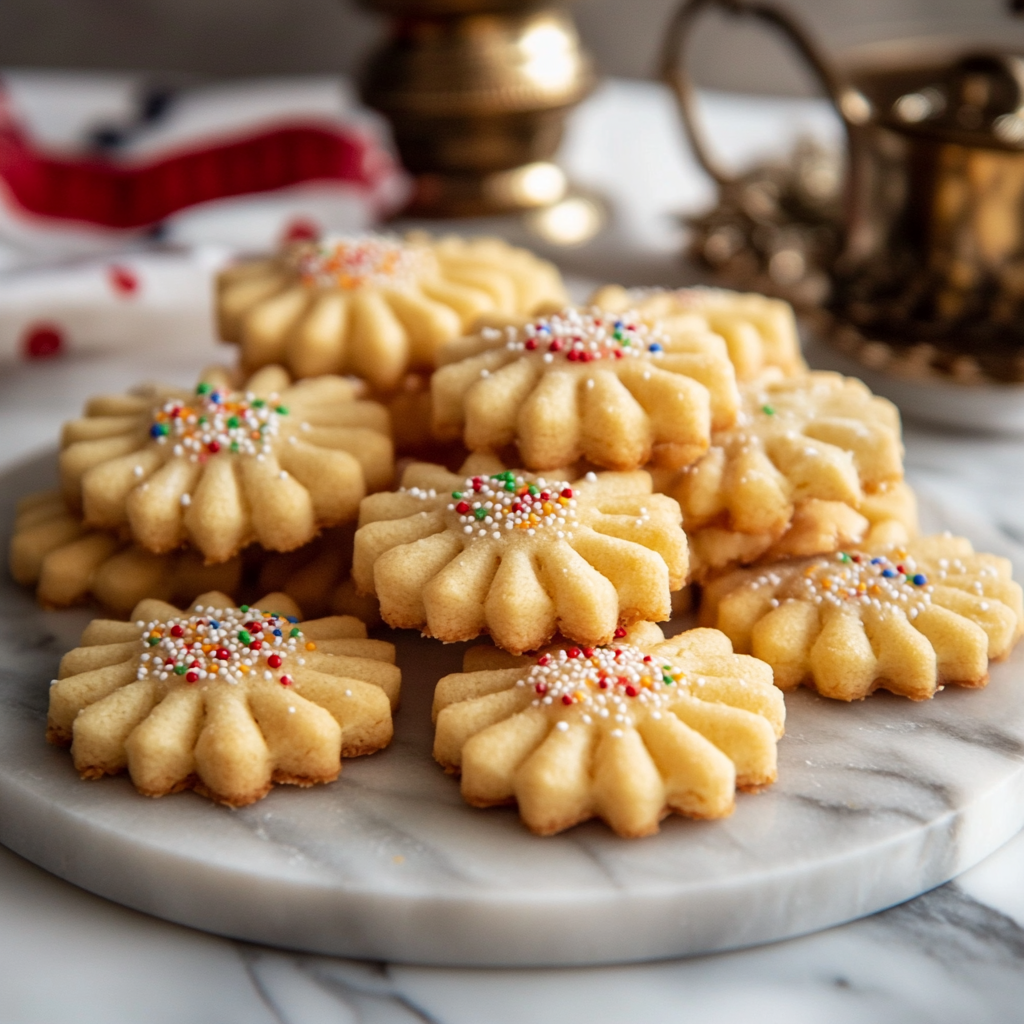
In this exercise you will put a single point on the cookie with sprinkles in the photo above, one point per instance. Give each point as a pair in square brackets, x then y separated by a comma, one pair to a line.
[519, 555]
[224, 465]
[908, 619]
[374, 305]
[227, 700]
[583, 383]
[813, 463]
[627, 732]
[759, 332]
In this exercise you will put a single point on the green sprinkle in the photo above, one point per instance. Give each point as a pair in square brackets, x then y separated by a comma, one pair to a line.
[480, 513]
[245, 636]
[179, 670]
[202, 420]
[152, 640]
[457, 495]
[204, 389]
[768, 410]
[234, 446]
[534, 491]
[843, 556]
[258, 403]
[243, 607]
[295, 631]
[510, 485]
[282, 409]
[233, 421]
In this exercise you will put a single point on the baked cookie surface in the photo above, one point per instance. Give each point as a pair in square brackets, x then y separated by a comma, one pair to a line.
[218, 468]
[375, 305]
[519, 555]
[627, 732]
[814, 463]
[760, 332]
[908, 619]
[583, 383]
[225, 700]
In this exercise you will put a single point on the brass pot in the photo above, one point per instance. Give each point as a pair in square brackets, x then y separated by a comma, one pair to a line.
[478, 101]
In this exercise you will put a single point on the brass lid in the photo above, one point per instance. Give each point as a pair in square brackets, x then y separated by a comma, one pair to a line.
[979, 103]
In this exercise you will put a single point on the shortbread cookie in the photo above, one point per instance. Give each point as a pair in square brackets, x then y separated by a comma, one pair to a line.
[218, 468]
[69, 564]
[585, 384]
[318, 577]
[627, 732]
[814, 463]
[519, 556]
[223, 700]
[374, 305]
[909, 620]
[760, 332]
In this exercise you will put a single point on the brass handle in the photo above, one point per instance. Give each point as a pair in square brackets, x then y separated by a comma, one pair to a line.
[674, 73]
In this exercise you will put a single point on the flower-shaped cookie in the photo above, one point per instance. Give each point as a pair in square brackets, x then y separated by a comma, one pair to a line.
[585, 384]
[908, 620]
[813, 463]
[627, 732]
[519, 556]
[68, 563]
[219, 468]
[373, 305]
[225, 700]
[760, 332]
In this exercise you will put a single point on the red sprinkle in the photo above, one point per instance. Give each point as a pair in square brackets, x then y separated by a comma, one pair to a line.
[42, 341]
[567, 492]
[566, 699]
[530, 344]
[274, 661]
[192, 677]
[541, 688]
[223, 654]
[177, 631]
[544, 659]
[573, 652]
[214, 446]
[631, 691]
[619, 634]
[255, 645]
[301, 229]
[603, 684]
[588, 652]
[286, 680]
[462, 508]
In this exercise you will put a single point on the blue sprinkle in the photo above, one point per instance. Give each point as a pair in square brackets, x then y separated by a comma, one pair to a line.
[920, 580]
[292, 618]
[877, 561]
[277, 632]
[215, 625]
[655, 348]
[216, 398]
[888, 573]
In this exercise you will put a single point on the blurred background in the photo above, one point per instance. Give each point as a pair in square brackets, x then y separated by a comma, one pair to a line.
[260, 37]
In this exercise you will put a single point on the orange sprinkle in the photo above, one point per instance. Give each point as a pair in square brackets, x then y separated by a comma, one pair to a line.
[310, 646]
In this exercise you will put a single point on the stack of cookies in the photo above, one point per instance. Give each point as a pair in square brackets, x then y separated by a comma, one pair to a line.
[579, 468]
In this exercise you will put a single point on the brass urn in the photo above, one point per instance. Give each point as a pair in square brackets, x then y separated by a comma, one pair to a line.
[477, 92]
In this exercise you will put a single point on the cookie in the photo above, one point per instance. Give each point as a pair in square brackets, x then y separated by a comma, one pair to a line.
[373, 305]
[909, 619]
[318, 577]
[221, 699]
[582, 383]
[70, 564]
[519, 556]
[218, 468]
[760, 332]
[628, 732]
[814, 463]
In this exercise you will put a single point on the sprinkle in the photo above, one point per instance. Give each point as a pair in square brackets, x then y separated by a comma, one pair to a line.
[584, 336]
[360, 261]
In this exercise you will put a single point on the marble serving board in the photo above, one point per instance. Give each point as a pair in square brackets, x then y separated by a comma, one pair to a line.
[876, 802]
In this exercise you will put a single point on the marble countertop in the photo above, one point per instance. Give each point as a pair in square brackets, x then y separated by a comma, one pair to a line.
[954, 954]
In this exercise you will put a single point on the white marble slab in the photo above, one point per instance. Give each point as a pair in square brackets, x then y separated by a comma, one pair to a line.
[876, 803]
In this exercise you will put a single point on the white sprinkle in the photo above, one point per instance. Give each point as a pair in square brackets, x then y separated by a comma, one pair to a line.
[562, 726]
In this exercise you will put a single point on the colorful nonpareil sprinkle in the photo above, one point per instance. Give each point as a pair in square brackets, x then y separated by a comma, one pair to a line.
[583, 336]
[877, 580]
[359, 261]
[217, 421]
[612, 684]
[221, 645]
[493, 506]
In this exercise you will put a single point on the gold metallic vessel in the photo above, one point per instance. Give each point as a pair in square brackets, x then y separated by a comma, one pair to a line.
[477, 93]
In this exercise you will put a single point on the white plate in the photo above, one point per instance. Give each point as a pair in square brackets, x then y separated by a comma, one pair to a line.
[876, 802]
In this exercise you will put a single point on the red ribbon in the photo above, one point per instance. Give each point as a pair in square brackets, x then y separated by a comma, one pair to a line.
[138, 196]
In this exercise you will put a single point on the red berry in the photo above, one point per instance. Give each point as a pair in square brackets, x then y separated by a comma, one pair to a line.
[566, 699]
[274, 661]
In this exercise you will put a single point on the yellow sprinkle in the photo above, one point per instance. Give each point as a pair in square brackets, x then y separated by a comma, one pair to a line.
[563, 501]
[243, 668]
[547, 508]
